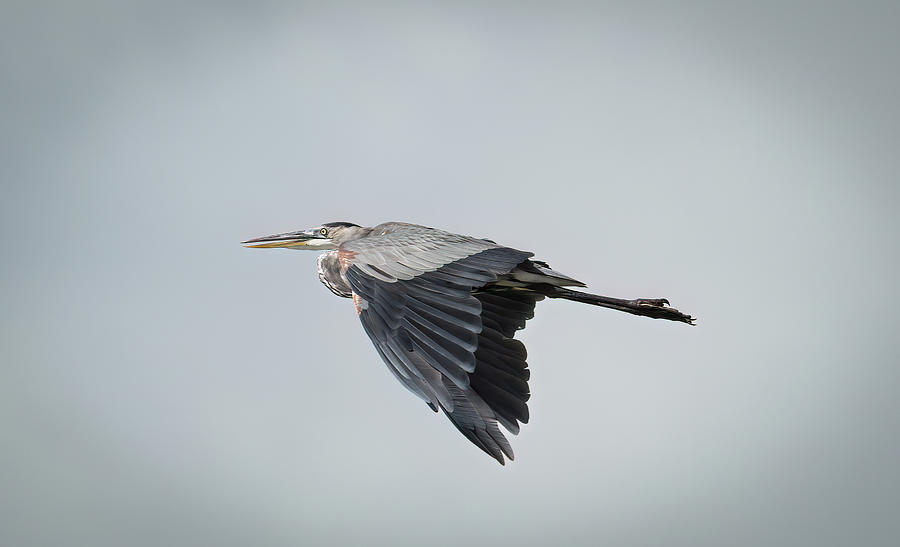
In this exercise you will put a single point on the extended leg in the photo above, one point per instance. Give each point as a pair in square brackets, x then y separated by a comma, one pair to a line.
[657, 308]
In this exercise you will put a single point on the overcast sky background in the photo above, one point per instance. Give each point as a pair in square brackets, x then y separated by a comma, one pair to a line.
[162, 385]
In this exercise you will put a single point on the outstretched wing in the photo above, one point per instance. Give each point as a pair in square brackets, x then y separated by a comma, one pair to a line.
[422, 298]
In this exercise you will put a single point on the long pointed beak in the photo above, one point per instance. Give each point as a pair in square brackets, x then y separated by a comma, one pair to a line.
[290, 239]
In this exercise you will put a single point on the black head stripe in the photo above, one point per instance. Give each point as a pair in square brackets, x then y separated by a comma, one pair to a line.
[339, 224]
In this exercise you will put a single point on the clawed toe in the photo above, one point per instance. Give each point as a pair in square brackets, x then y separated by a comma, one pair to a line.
[659, 308]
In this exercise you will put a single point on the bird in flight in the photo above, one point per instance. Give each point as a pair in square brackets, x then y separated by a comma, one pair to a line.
[443, 309]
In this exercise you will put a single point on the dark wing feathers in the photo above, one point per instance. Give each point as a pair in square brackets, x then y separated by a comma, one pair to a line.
[501, 372]
[443, 330]
[507, 310]
[474, 418]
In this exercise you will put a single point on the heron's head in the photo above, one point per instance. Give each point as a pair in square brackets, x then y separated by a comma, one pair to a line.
[326, 236]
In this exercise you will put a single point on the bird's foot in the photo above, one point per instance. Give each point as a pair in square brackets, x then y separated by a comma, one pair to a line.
[659, 308]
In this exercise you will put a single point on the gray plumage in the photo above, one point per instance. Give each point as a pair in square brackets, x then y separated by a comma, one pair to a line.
[442, 310]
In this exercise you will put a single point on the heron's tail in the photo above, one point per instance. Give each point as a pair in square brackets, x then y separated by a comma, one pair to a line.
[657, 308]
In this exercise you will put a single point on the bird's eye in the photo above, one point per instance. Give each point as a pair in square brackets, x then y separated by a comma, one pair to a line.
[323, 231]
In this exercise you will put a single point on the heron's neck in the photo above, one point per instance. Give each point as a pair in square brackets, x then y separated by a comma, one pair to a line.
[353, 233]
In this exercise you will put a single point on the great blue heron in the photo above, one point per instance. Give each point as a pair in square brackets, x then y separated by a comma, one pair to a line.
[442, 310]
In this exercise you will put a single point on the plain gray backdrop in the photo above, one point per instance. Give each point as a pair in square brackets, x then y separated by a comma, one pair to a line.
[162, 385]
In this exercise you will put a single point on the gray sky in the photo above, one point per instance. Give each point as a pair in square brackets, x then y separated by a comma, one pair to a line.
[161, 385]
